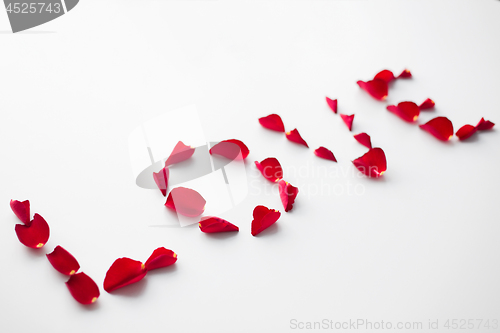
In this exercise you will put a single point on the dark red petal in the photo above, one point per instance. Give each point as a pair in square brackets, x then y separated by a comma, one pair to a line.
[347, 120]
[83, 288]
[273, 122]
[35, 234]
[21, 209]
[440, 127]
[364, 139]
[231, 149]
[373, 163]
[406, 74]
[466, 132]
[271, 169]
[377, 88]
[484, 125]
[294, 136]
[186, 201]
[408, 111]
[385, 75]
[123, 272]
[322, 152]
[211, 224]
[161, 179]
[288, 193]
[427, 104]
[332, 103]
[180, 153]
[263, 218]
[63, 261]
[160, 258]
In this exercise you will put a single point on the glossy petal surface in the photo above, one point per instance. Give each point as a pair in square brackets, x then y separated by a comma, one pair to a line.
[288, 193]
[385, 75]
[408, 111]
[347, 120]
[83, 288]
[21, 209]
[294, 136]
[273, 122]
[373, 163]
[271, 169]
[466, 132]
[332, 103]
[440, 127]
[427, 104]
[212, 224]
[63, 261]
[35, 234]
[364, 139]
[231, 149]
[160, 258]
[123, 271]
[186, 201]
[377, 88]
[263, 218]
[484, 125]
[325, 153]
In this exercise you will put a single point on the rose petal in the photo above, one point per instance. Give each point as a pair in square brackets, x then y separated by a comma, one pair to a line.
[347, 120]
[83, 288]
[180, 153]
[406, 74]
[263, 218]
[294, 136]
[332, 103]
[272, 122]
[21, 209]
[123, 271]
[377, 88]
[440, 127]
[466, 132]
[408, 111]
[427, 104]
[160, 258]
[385, 75]
[373, 163]
[484, 125]
[212, 224]
[288, 193]
[271, 169]
[322, 152]
[34, 234]
[231, 149]
[161, 179]
[186, 201]
[364, 139]
[63, 261]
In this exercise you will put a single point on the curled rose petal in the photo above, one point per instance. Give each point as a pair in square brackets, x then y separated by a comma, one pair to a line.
[294, 136]
[161, 180]
[427, 104]
[322, 152]
[263, 218]
[408, 111]
[288, 193]
[272, 122]
[484, 125]
[186, 201]
[373, 163]
[63, 261]
[466, 132]
[271, 169]
[83, 288]
[385, 75]
[406, 74]
[440, 127]
[123, 271]
[34, 234]
[364, 139]
[332, 103]
[377, 88]
[231, 149]
[21, 209]
[160, 258]
[347, 120]
[180, 153]
[212, 224]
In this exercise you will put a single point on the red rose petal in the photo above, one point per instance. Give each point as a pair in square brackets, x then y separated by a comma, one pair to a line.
[273, 122]
[160, 258]
[161, 179]
[35, 234]
[263, 218]
[377, 88]
[440, 127]
[408, 111]
[427, 104]
[364, 139]
[123, 271]
[322, 152]
[180, 153]
[83, 288]
[63, 261]
[294, 136]
[288, 193]
[332, 103]
[212, 224]
[484, 125]
[385, 75]
[231, 149]
[21, 209]
[271, 169]
[466, 132]
[406, 74]
[373, 163]
[186, 201]
[347, 120]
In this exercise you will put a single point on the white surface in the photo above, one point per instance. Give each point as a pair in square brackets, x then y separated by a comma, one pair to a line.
[422, 243]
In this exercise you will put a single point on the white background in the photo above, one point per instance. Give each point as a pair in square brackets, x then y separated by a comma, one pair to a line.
[422, 243]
